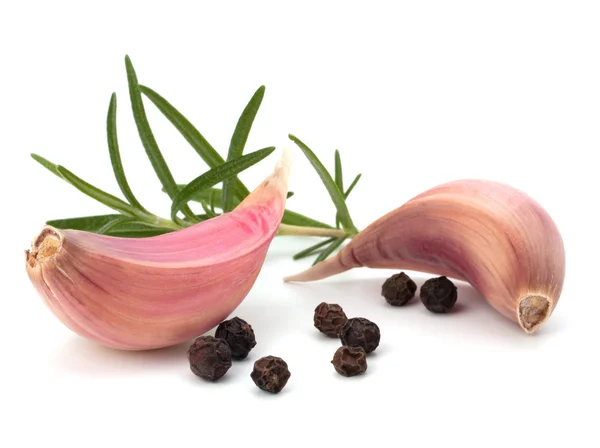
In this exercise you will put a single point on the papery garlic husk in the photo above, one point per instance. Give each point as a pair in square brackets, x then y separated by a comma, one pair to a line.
[489, 234]
[148, 293]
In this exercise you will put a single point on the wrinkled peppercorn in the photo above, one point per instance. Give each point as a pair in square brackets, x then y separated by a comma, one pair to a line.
[209, 357]
[239, 335]
[270, 374]
[438, 294]
[360, 332]
[350, 361]
[399, 289]
[329, 318]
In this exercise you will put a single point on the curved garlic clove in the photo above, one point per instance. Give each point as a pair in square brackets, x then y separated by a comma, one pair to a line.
[489, 234]
[155, 292]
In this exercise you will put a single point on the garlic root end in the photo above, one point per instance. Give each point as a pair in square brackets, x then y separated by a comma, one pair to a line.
[534, 310]
[45, 246]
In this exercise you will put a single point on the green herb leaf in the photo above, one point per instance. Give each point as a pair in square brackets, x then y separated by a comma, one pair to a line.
[334, 192]
[339, 180]
[352, 185]
[289, 194]
[115, 155]
[329, 250]
[212, 200]
[86, 188]
[53, 168]
[216, 175]
[87, 223]
[124, 227]
[204, 149]
[238, 142]
[112, 224]
[296, 219]
[312, 249]
[137, 230]
[95, 193]
[147, 137]
[210, 213]
[205, 195]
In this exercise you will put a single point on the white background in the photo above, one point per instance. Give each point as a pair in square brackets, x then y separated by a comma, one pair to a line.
[413, 94]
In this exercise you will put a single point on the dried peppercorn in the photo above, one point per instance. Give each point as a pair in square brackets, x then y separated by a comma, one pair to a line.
[360, 332]
[399, 289]
[329, 318]
[209, 357]
[239, 335]
[438, 294]
[270, 374]
[350, 361]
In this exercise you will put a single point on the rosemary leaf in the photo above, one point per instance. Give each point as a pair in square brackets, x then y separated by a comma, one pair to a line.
[296, 219]
[334, 192]
[205, 195]
[212, 201]
[329, 250]
[53, 168]
[115, 155]
[352, 185]
[339, 180]
[238, 142]
[147, 137]
[86, 188]
[88, 223]
[95, 193]
[216, 175]
[112, 224]
[206, 207]
[134, 230]
[312, 249]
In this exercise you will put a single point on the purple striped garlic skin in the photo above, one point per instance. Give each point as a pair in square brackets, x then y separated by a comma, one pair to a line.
[486, 233]
[147, 293]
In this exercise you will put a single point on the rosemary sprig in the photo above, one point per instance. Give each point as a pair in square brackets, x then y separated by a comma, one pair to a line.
[212, 158]
[135, 221]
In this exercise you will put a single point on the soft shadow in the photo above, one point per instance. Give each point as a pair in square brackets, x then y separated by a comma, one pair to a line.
[195, 381]
[82, 357]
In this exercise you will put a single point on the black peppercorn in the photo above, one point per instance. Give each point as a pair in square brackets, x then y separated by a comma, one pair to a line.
[350, 361]
[239, 335]
[270, 374]
[438, 294]
[360, 332]
[399, 289]
[329, 318]
[209, 357]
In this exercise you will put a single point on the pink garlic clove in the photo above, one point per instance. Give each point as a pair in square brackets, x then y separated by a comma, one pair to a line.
[156, 292]
[489, 234]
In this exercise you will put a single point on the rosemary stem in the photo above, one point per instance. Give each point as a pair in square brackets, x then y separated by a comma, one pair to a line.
[157, 221]
[286, 229]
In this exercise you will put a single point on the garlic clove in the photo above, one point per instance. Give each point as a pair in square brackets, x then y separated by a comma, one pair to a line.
[155, 292]
[489, 234]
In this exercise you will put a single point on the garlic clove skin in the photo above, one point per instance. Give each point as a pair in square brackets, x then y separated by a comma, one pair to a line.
[155, 292]
[489, 234]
